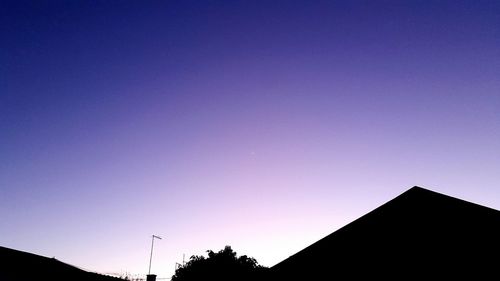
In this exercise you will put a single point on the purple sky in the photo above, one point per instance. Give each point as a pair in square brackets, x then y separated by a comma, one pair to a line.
[263, 125]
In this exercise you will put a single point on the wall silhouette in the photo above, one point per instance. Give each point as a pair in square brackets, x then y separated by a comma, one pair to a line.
[22, 266]
[420, 233]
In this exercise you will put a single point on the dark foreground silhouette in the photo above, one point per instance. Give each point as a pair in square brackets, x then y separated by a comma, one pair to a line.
[223, 265]
[21, 266]
[419, 234]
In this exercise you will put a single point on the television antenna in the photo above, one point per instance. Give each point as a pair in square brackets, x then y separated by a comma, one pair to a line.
[151, 256]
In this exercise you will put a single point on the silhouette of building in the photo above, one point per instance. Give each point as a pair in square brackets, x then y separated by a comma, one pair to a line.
[22, 266]
[419, 234]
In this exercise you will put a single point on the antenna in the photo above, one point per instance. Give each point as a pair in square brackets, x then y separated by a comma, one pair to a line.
[179, 265]
[151, 256]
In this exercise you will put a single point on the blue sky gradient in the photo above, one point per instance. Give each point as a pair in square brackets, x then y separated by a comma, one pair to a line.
[264, 125]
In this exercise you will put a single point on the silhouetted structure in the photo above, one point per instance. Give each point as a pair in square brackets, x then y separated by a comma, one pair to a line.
[420, 234]
[22, 266]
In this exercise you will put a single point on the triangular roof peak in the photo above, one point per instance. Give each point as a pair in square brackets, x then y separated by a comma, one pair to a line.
[413, 232]
[420, 189]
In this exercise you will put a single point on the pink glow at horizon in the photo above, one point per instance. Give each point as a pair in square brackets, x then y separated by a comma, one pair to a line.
[264, 126]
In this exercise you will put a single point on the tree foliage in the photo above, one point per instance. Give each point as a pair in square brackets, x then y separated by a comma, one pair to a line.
[222, 265]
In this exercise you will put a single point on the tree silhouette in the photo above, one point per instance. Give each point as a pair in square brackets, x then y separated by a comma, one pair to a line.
[222, 265]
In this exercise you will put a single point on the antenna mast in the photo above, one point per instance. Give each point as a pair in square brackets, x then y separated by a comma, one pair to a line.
[151, 256]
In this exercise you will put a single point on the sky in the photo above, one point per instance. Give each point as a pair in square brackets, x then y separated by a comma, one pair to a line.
[264, 125]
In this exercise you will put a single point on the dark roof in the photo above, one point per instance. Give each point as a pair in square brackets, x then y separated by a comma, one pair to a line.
[19, 266]
[419, 233]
